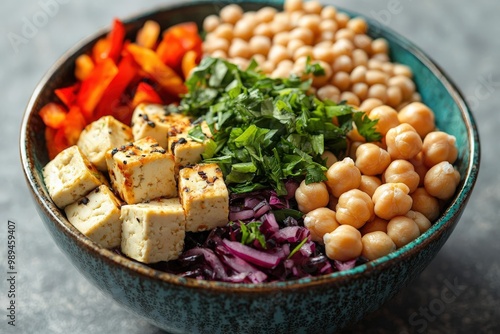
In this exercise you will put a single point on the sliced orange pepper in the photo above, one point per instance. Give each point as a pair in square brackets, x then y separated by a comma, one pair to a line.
[100, 50]
[150, 63]
[94, 86]
[147, 36]
[83, 66]
[73, 125]
[145, 94]
[55, 141]
[189, 62]
[53, 115]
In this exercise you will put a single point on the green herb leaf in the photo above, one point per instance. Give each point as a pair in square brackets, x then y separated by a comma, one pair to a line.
[250, 232]
[297, 248]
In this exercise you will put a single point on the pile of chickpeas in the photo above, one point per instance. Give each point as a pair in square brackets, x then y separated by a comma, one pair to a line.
[382, 195]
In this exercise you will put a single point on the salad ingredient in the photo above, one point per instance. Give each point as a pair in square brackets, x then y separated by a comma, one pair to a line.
[425, 203]
[376, 224]
[343, 243]
[102, 135]
[402, 230]
[97, 215]
[403, 142]
[391, 200]
[153, 231]
[204, 197]
[423, 223]
[439, 146]
[354, 208]
[319, 222]
[372, 159]
[70, 176]
[311, 196]
[343, 176]
[441, 180]
[266, 130]
[387, 117]
[141, 171]
[419, 116]
[376, 244]
[402, 171]
[369, 184]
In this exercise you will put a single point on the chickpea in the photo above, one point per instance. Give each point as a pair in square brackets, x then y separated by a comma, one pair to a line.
[387, 118]
[402, 230]
[369, 184]
[437, 147]
[242, 63]
[406, 85]
[263, 29]
[419, 116]
[380, 45]
[323, 53]
[260, 45]
[219, 54]
[210, 23]
[376, 245]
[329, 92]
[328, 13]
[354, 208]
[369, 104]
[360, 89]
[278, 53]
[345, 33]
[342, 63]
[441, 180]
[422, 222]
[391, 200]
[231, 13]
[343, 244]
[244, 29]
[281, 38]
[267, 67]
[311, 196]
[343, 176]
[266, 14]
[356, 138]
[259, 59]
[363, 42]
[295, 17]
[425, 203]
[329, 157]
[225, 30]
[375, 64]
[382, 57]
[319, 222]
[358, 25]
[378, 91]
[350, 98]
[376, 77]
[403, 142]
[292, 5]
[280, 23]
[283, 69]
[388, 68]
[400, 69]
[359, 58]
[303, 34]
[342, 47]
[358, 74]
[215, 44]
[321, 80]
[239, 48]
[332, 204]
[311, 22]
[328, 25]
[342, 19]
[312, 7]
[341, 80]
[418, 164]
[293, 45]
[371, 159]
[402, 171]
[303, 51]
[394, 96]
[377, 224]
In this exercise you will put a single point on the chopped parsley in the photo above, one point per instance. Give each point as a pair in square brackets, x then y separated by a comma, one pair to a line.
[267, 130]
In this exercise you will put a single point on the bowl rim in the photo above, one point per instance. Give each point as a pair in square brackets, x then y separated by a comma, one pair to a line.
[439, 227]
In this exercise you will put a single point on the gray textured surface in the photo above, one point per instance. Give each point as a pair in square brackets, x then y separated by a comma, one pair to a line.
[461, 36]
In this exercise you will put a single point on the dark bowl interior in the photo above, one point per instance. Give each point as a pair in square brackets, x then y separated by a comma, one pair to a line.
[320, 304]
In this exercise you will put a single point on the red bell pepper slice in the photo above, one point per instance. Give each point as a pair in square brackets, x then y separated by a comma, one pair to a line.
[111, 45]
[145, 94]
[94, 86]
[178, 40]
[73, 125]
[150, 63]
[55, 141]
[67, 95]
[127, 70]
[53, 115]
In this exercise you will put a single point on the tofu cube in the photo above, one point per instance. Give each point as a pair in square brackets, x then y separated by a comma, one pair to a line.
[141, 171]
[70, 176]
[102, 135]
[185, 149]
[97, 215]
[154, 121]
[154, 231]
[204, 197]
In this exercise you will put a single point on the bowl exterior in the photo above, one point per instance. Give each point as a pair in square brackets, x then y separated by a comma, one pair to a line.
[324, 304]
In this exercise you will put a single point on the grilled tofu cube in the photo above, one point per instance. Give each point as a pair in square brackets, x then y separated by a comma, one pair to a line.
[102, 135]
[97, 215]
[142, 171]
[152, 120]
[70, 176]
[204, 197]
[185, 149]
[154, 231]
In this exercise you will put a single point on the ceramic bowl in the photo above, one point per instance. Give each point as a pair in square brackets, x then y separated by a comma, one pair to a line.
[311, 305]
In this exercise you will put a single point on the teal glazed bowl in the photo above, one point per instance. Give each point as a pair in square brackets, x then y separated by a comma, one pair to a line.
[322, 304]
